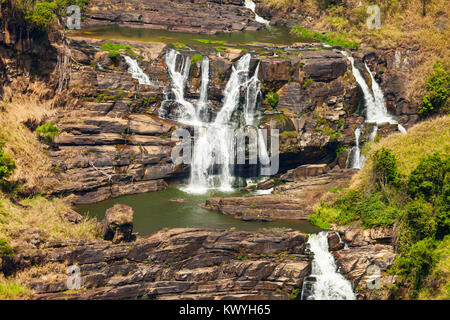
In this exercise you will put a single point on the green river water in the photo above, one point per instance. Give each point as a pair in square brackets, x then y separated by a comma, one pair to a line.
[275, 35]
[154, 211]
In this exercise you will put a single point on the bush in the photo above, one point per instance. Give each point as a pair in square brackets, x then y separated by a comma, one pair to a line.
[385, 168]
[7, 165]
[272, 99]
[196, 58]
[421, 218]
[47, 132]
[41, 15]
[415, 264]
[438, 90]
[5, 249]
[427, 179]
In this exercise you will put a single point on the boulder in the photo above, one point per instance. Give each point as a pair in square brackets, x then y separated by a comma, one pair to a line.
[73, 216]
[334, 242]
[267, 184]
[118, 223]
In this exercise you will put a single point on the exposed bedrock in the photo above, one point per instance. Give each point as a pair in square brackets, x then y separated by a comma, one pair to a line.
[182, 264]
[113, 141]
[370, 253]
[293, 200]
[211, 16]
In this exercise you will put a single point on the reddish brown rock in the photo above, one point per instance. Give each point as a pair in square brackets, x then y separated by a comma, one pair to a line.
[118, 223]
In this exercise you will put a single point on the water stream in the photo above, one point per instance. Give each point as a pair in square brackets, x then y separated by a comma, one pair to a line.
[375, 112]
[252, 6]
[327, 283]
[137, 73]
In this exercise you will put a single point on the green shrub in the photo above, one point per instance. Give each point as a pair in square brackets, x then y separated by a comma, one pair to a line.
[47, 132]
[196, 58]
[178, 45]
[7, 165]
[41, 15]
[5, 249]
[385, 168]
[308, 82]
[438, 90]
[272, 99]
[427, 179]
[421, 218]
[415, 264]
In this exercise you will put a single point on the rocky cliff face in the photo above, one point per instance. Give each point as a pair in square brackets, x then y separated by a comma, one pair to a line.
[113, 142]
[23, 70]
[182, 264]
[209, 16]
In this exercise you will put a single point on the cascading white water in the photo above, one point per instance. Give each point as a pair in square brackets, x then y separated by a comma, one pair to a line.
[252, 6]
[214, 142]
[329, 283]
[357, 158]
[202, 104]
[187, 113]
[136, 72]
[376, 111]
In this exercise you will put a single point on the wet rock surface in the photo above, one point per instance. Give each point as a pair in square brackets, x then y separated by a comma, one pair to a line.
[369, 254]
[184, 264]
[293, 200]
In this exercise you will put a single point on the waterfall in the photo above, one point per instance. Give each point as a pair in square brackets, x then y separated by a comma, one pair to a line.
[357, 158]
[213, 152]
[136, 72]
[376, 111]
[187, 113]
[252, 6]
[329, 284]
[202, 104]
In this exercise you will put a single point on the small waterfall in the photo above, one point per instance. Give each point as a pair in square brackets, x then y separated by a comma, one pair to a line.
[357, 158]
[202, 104]
[329, 284]
[187, 113]
[252, 6]
[376, 111]
[136, 72]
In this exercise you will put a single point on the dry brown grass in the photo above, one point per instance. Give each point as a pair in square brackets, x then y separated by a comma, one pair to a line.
[22, 144]
[422, 139]
[42, 219]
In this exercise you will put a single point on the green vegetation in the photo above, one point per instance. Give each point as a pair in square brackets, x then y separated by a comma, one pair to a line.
[7, 166]
[10, 290]
[43, 14]
[47, 132]
[5, 249]
[196, 58]
[417, 201]
[179, 45]
[308, 82]
[207, 41]
[330, 38]
[115, 48]
[435, 99]
[272, 99]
